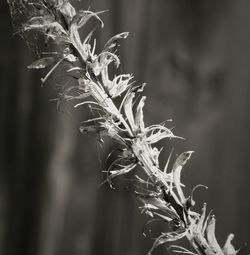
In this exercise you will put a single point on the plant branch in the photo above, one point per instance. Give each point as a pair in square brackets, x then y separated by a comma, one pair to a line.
[161, 192]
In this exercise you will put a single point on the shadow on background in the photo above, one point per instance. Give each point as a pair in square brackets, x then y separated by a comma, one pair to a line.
[195, 57]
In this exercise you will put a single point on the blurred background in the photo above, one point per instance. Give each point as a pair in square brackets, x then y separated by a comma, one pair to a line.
[195, 57]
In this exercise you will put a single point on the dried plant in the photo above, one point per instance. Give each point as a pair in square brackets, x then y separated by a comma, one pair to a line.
[117, 105]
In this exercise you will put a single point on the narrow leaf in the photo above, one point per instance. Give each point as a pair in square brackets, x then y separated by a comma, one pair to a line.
[167, 163]
[139, 119]
[212, 241]
[178, 165]
[128, 108]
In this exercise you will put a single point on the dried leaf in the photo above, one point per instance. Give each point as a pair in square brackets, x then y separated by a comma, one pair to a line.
[70, 57]
[157, 204]
[128, 109]
[107, 57]
[41, 63]
[164, 217]
[167, 163]
[67, 10]
[89, 129]
[167, 237]
[211, 239]
[51, 71]
[47, 25]
[119, 85]
[155, 133]
[111, 130]
[190, 202]
[201, 222]
[79, 94]
[181, 250]
[139, 119]
[39, 22]
[228, 248]
[101, 63]
[82, 17]
[178, 165]
[138, 88]
[171, 198]
[112, 42]
[124, 170]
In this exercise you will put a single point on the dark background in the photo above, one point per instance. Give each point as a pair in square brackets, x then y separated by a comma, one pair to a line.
[195, 57]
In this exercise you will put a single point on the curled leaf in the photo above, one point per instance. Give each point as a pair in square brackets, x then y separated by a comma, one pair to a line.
[155, 133]
[107, 57]
[138, 88]
[183, 158]
[119, 84]
[190, 201]
[178, 165]
[112, 42]
[101, 63]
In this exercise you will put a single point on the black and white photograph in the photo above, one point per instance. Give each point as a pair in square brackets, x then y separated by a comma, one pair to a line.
[124, 127]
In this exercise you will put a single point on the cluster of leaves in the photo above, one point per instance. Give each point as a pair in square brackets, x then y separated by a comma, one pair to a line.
[117, 105]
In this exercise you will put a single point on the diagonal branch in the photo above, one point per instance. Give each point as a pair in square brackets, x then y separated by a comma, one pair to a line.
[161, 193]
